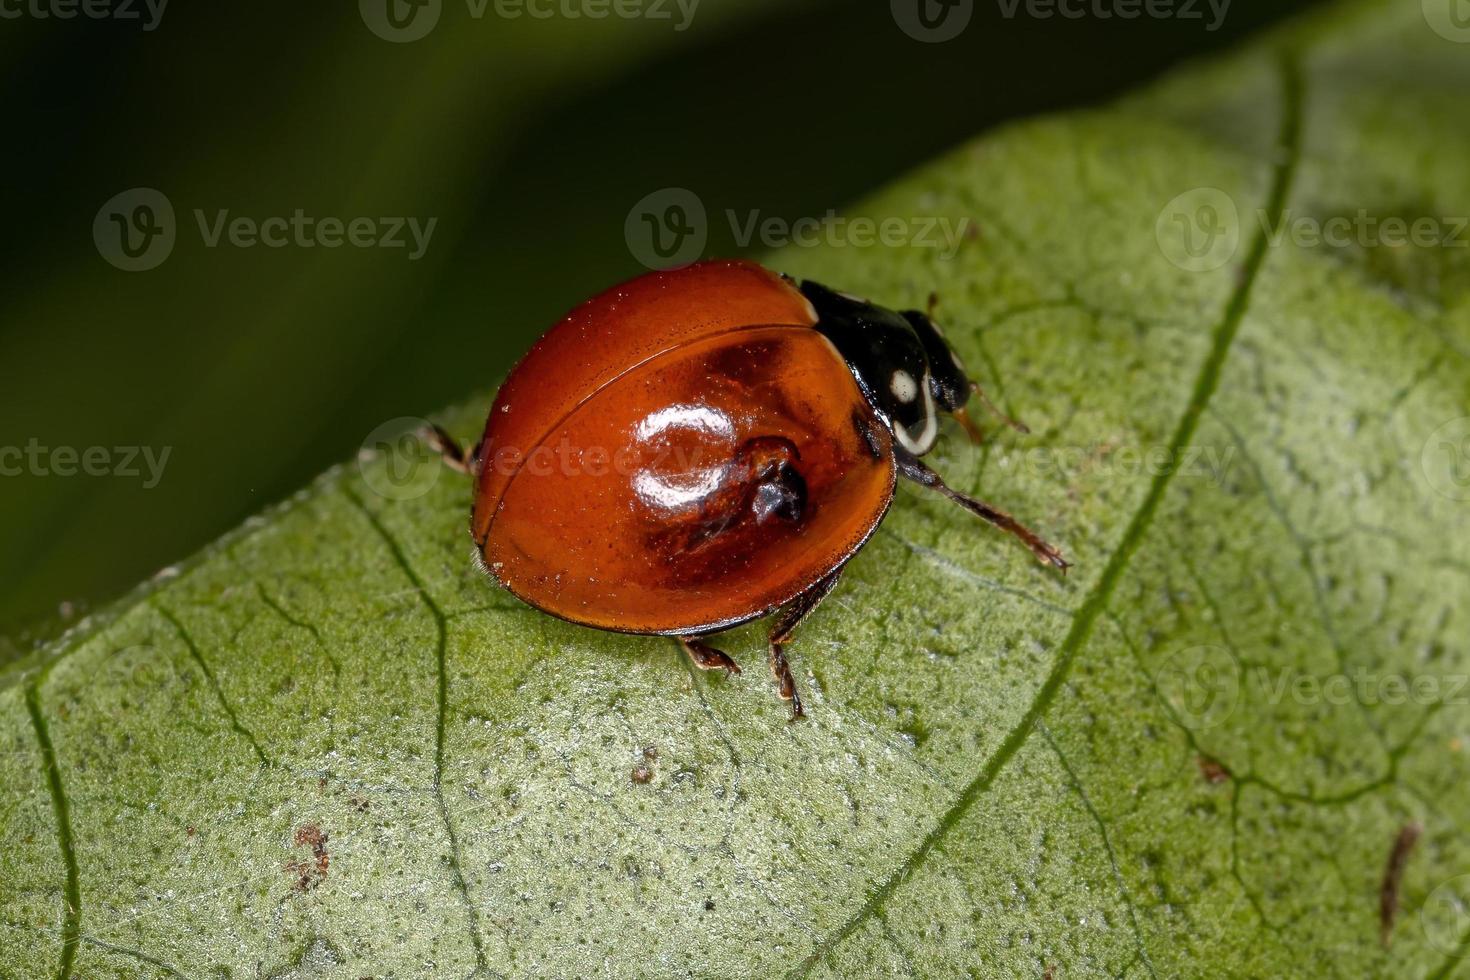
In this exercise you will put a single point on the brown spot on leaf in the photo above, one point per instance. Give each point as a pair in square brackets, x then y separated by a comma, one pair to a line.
[309, 874]
[1393, 876]
[1213, 772]
[643, 771]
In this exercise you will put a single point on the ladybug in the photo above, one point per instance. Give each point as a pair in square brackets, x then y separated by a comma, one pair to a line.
[706, 446]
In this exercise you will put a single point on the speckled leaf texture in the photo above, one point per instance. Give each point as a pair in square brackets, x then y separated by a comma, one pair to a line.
[327, 747]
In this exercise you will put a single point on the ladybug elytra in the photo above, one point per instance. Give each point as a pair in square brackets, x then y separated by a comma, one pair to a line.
[703, 447]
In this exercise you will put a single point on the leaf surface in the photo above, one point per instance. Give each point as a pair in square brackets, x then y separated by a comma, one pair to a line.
[328, 747]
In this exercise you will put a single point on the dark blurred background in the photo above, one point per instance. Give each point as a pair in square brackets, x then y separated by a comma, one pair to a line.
[528, 139]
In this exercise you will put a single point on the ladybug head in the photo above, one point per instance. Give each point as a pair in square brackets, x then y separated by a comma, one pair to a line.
[900, 361]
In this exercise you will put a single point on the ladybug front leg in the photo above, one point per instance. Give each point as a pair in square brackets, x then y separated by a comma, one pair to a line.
[913, 469]
[781, 631]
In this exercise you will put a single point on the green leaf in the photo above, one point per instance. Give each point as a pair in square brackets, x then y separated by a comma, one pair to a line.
[328, 747]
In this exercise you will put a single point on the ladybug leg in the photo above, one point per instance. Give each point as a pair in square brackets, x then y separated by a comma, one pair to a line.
[976, 434]
[962, 416]
[781, 632]
[913, 469]
[706, 657]
[785, 683]
[449, 449]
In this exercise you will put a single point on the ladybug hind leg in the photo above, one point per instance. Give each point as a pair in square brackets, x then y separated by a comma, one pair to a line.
[783, 628]
[706, 657]
[449, 449]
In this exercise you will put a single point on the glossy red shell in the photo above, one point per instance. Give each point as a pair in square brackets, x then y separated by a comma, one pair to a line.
[609, 490]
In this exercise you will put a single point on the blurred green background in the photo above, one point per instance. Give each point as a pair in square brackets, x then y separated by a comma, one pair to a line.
[528, 139]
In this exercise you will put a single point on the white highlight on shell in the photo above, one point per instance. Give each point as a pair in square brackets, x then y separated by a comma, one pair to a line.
[903, 386]
[684, 489]
[700, 418]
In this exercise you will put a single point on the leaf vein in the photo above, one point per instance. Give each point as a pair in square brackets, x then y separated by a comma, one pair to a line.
[441, 626]
[72, 924]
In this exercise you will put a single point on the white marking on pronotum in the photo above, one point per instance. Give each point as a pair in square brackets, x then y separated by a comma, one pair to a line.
[903, 386]
[925, 441]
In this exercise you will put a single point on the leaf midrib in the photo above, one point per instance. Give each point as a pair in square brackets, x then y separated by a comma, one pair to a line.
[1206, 383]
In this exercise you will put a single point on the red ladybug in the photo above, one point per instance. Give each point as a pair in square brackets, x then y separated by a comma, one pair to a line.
[702, 447]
